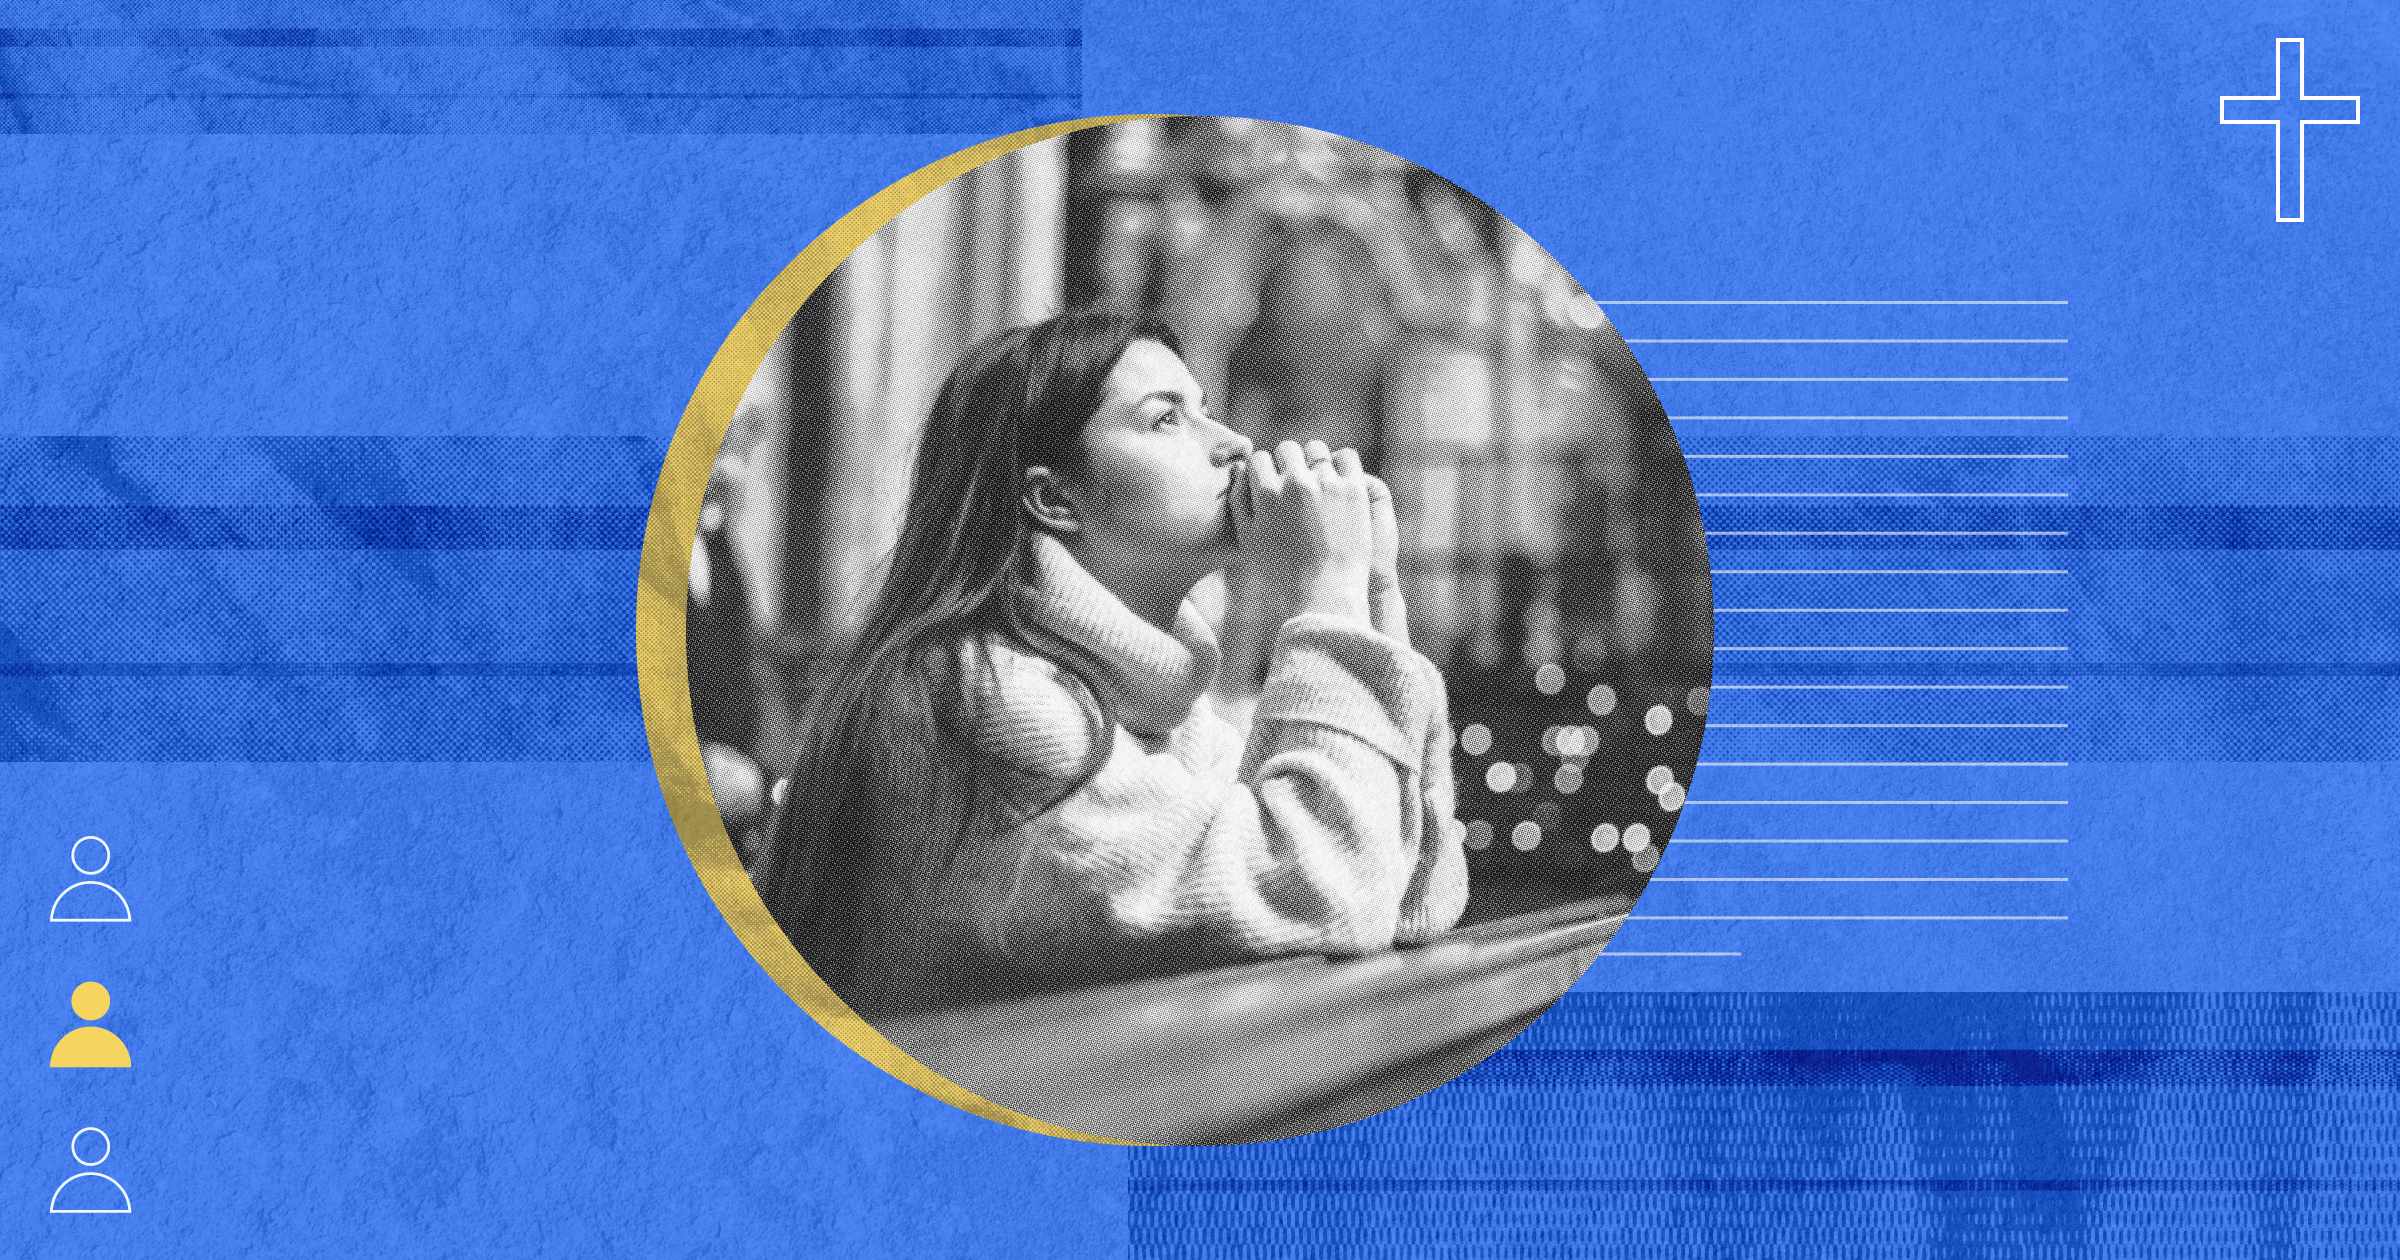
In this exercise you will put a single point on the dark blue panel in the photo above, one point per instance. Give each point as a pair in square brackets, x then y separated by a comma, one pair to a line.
[252, 79]
[289, 608]
[483, 471]
[361, 528]
[1847, 1125]
[574, 713]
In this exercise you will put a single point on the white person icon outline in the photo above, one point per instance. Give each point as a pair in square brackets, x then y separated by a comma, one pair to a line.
[123, 1201]
[91, 906]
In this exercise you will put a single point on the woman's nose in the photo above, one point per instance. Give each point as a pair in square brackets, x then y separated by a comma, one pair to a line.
[1232, 447]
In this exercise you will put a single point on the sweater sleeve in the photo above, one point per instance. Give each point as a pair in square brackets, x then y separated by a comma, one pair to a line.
[1326, 833]
[1437, 891]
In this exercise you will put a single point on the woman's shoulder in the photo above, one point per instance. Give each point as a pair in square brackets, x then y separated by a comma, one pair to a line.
[1026, 708]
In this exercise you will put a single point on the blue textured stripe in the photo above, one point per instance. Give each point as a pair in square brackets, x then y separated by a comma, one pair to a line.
[357, 528]
[1639, 1220]
[1955, 1021]
[600, 79]
[604, 113]
[348, 471]
[303, 669]
[1577, 1067]
[316, 715]
[543, 37]
[1847, 1124]
[1774, 1185]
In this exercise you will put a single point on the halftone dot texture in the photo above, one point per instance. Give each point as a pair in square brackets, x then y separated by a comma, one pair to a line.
[1837, 1125]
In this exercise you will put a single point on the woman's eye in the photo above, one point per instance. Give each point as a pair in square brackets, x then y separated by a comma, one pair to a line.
[1167, 418]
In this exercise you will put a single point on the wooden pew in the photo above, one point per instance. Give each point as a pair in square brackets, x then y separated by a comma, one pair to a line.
[1264, 1050]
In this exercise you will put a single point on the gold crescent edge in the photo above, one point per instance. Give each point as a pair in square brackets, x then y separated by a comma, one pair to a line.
[661, 600]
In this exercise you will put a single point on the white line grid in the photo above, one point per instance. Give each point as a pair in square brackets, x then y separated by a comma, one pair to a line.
[1902, 647]
[1863, 416]
[2296, 51]
[1688, 454]
[1867, 840]
[1858, 879]
[1866, 380]
[1892, 610]
[2042, 572]
[1818, 740]
[1884, 494]
[1845, 341]
[1851, 918]
[1835, 302]
[1701, 802]
[1887, 533]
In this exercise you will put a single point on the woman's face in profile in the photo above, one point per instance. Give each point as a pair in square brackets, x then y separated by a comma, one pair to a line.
[1158, 471]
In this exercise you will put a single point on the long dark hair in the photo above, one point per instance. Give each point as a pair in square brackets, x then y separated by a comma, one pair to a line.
[892, 705]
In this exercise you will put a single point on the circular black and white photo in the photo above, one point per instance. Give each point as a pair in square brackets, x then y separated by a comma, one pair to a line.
[1199, 630]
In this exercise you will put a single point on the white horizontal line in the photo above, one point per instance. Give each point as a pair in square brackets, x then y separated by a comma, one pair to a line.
[1858, 380]
[1883, 763]
[1696, 802]
[1894, 610]
[1867, 840]
[2048, 572]
[1886, 533]
[1883, 494]
[1765, 726]
[1903, 647]
[1843, 918]
[1858, 879]
[1831, 302]
[1890, 687]
[1634, 953]
[1866, 418]
[1845, 341]
[1866, 457]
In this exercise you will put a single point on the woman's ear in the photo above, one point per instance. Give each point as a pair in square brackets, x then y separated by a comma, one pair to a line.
[1046, 501]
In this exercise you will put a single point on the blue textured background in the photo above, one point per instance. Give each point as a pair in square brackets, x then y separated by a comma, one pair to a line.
[340, 350]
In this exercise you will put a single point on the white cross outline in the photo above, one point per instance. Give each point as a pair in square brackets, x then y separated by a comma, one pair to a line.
[2298, 49]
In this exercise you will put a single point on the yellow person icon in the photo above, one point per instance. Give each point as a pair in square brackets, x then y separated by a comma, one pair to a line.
[90, 1046]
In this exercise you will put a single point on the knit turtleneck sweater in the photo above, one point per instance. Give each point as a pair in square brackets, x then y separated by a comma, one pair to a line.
[1148, 677]
[1171, 842]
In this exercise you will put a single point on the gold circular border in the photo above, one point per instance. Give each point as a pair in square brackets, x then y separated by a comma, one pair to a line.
[666, 575]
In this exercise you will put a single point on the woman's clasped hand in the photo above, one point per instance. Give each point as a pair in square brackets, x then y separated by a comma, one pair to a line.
[1316, 524]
